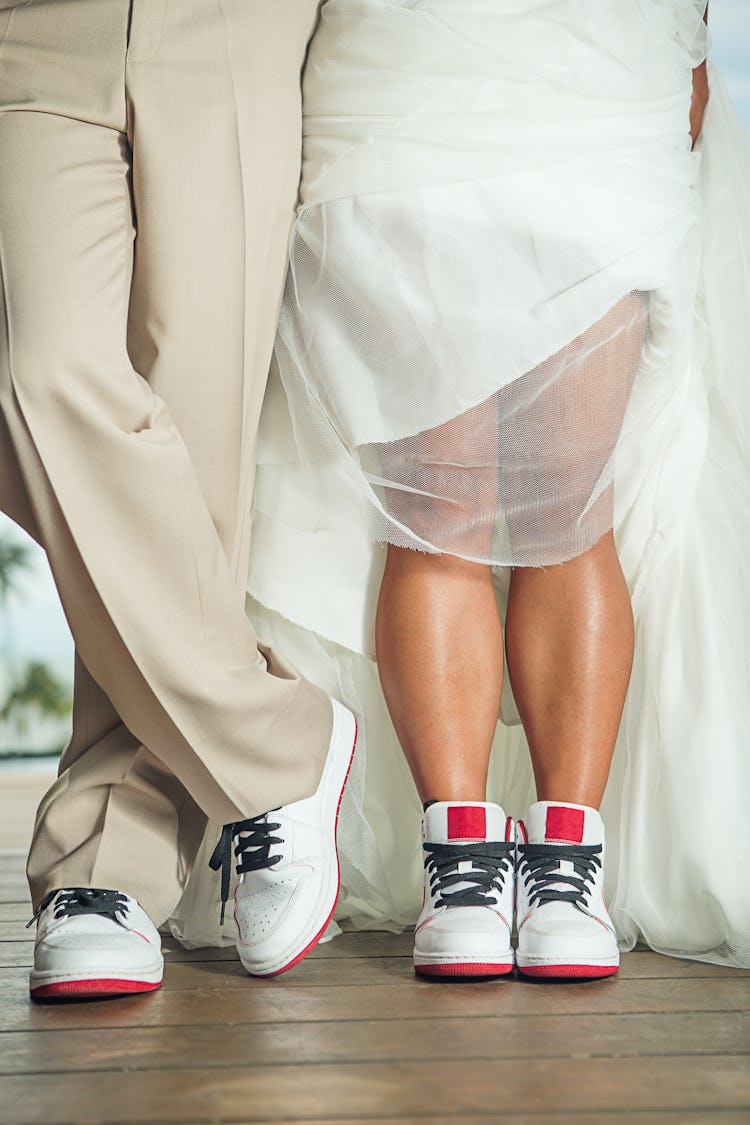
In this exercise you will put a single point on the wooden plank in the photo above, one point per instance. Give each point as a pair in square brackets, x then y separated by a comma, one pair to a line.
[15, 929]
[13, 888]
[379, 943]
[14, 912]
[370, 943]
[13, 862]
[14, 859]
[16, 954]
[259, 1002]
[354, 1040]
[642, 963]
[418, 1089]
[21, 790]
[392, 972]
[683, 1117]
[15, 896]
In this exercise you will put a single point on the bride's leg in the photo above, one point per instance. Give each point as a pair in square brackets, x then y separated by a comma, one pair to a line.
[439, 643]
[438, 631]
[569, 627]
[439, 647]
[569, 640]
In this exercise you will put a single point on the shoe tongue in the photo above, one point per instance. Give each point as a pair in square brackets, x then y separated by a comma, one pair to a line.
[550, 822]
[455, 822]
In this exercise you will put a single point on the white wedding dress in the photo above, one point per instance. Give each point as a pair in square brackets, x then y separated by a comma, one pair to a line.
[516, 298]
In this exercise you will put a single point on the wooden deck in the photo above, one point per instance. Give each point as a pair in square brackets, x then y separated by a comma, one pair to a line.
[351, 1036]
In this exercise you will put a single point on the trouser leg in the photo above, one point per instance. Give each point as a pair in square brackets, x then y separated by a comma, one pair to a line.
[116, 816]
[153, 603]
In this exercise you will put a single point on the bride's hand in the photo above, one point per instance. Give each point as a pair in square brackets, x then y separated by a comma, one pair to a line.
[700, 100]
[700, 94]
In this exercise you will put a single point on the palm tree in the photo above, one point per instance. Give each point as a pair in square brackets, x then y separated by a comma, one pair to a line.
[32, 691]
[15, 560]
[36, 691]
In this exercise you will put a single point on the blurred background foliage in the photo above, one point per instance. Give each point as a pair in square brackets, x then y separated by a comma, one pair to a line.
[35, 694]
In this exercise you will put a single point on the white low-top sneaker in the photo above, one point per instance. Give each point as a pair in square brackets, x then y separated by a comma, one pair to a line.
[288, 866]
[465, 925]
[564, 929]
[92, 942]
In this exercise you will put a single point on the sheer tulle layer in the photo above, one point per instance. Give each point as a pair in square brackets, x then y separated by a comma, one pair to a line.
[496, 247]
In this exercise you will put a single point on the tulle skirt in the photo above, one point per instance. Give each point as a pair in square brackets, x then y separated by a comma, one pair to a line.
[495, 256]
[515, 315]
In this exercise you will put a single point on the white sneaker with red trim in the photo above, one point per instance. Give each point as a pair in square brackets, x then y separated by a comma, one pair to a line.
[564, 929]
[465, 925]
[92, 942]
[288, 867]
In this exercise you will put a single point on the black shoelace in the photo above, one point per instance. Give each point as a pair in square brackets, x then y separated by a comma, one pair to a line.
[252, 850]
[540, 865]
[85, 900]
[490, 864]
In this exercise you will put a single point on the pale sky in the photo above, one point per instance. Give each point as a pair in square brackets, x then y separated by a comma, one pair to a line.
[729, 21]
[35, 626]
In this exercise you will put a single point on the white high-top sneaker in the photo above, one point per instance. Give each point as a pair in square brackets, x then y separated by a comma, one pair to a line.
[93, 942]
[564, 929]
[288, 867]
[465, 925]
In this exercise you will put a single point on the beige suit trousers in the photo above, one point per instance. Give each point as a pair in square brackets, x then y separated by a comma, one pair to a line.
[149, 162]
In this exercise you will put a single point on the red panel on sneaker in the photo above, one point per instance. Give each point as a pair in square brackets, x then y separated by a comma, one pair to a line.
[467, 822]
[564, 824]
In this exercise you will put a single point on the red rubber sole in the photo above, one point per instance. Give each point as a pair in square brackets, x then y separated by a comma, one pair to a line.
[308, 948]
[80, 989]
[481, 969]
[567, 972]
